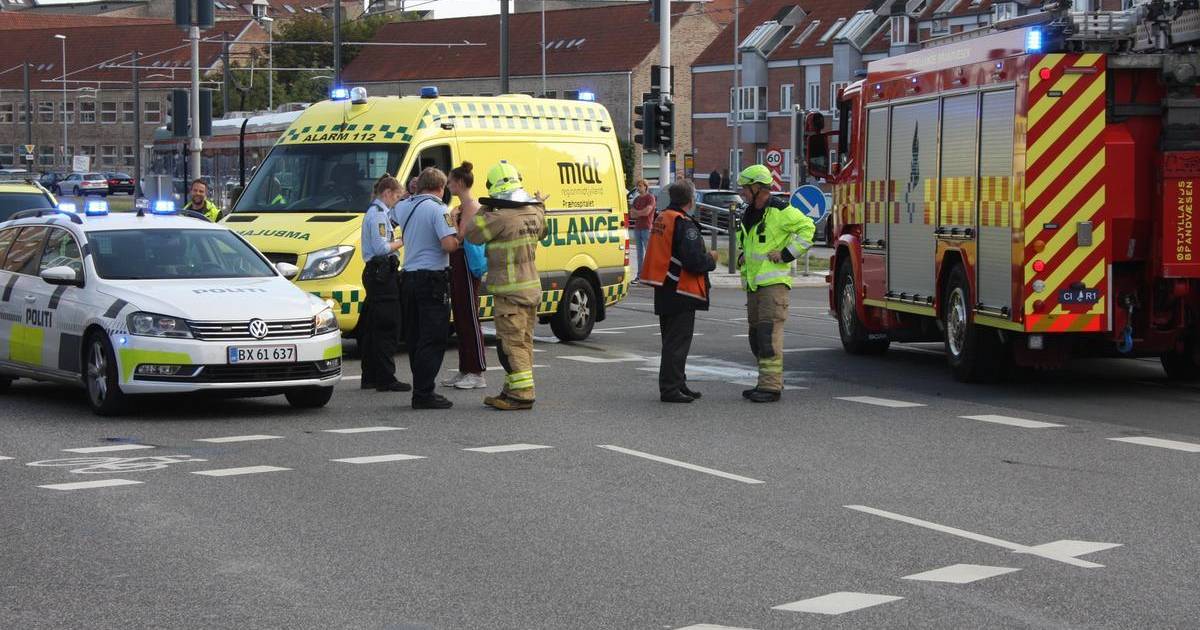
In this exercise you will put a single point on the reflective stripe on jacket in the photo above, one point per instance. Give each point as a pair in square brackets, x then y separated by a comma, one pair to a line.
[782, 229]
[512, 236]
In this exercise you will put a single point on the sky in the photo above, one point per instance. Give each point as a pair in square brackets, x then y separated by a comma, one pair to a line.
[456, 8]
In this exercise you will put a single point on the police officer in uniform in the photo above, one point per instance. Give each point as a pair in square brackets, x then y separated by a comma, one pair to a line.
[677, 266]
[429, 238]
[381, 278]
[771, 235]
[512, 223]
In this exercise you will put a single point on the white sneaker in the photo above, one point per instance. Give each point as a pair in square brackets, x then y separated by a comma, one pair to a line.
[471, 381]
[454, 380]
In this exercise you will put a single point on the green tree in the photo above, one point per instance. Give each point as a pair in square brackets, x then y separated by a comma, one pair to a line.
[626, 147]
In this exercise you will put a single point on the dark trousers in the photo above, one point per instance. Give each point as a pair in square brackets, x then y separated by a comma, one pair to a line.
[677, 332]
[379, 324]
[425, 296]
[464, 300]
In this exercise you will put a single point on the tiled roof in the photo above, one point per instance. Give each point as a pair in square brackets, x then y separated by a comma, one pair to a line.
[824, 12]
[21, 20]
[598, 39]
[280, 9]
[93, 51]
[955, 8]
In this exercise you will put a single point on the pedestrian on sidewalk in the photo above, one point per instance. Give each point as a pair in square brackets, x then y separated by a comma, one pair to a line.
[643, 216]
[677, 265]
[770, 236]
[380, 320]
[714, 179]
[429, 238]
[464, 288]
[512, 223]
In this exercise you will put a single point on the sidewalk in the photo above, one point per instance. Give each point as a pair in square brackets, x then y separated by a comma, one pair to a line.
[722, 279]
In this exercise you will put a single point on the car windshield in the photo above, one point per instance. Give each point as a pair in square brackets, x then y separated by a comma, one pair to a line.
[94, 177]
[11, 203]
[118, 175]
[165, 254]
[324, 177]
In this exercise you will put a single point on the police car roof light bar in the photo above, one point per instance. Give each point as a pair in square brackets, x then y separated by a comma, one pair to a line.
[96, 208]
[68, 206]
[163, 206]
[339, 94]
[429, 91]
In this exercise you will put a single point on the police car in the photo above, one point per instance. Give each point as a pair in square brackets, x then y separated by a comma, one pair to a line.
[155, 303]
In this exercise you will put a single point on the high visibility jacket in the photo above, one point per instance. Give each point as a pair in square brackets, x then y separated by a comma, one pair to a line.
[210, 210]
[662, 268]
[781, 228]
[512, 232]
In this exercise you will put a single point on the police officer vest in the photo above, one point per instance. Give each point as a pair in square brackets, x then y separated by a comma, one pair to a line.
[659, 265]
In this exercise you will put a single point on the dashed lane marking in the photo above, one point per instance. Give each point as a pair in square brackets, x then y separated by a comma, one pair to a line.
[880, 402]
[960, 573]
[709, 626]
[675, 462]
[1013, 422]
[791, 350]
[583, 358]
[1175, 445]
[837, 603]
[786, 387]
[1074, 548]
[240, 438]
[626, 327]
[107, 449]
[246, 470]
[378, 459]
[363, 430]
[3, 457]
[85, 485]
[499, 367]
[507, 448]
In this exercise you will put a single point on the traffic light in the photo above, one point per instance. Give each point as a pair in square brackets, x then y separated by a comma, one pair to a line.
[664, 125]
[646, 118]
[205, 112]
[177, 113]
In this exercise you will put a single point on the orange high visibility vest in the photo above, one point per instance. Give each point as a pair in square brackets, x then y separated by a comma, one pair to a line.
[660, 265]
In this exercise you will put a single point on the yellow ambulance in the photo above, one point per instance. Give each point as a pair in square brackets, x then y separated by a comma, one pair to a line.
[305, 203]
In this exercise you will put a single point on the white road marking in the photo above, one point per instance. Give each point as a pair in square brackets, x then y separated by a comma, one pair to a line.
[626, 327]
[506, 448]
[582, 358]
[376, 459]
[240, 438]
[962, 533]
[246, 470]
[1074, 548]
[1013, 422]
[791, 350]
[106, 449]
[1187, 447]
[607, 332]
[675, 462]
[742, 335]
[3, 457]
[695, 334]
[837, 603]
[786, 387]
[936, 353]
[364, 429]
[880, 402]
[500, 367]
[709, 626]
[960, 573]
[356, 377]
[84, 485]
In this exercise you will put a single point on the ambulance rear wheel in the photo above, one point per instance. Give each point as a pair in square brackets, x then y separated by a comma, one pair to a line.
[1182, 366]
[974, 352]
[100, 377]
[855, 338]
[576, 312]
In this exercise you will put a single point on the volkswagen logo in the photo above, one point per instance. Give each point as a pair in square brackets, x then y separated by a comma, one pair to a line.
[258, 329]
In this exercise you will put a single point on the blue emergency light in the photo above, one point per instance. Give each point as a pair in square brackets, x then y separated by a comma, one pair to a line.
[96, 208]
[587, 96]
[429, 91]
[68, 206]
[339, 94]
[163, 206]
[1033, 40]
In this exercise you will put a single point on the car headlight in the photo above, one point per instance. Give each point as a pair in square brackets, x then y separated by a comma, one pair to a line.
[326, 263]
[325, 322]
[154, 325]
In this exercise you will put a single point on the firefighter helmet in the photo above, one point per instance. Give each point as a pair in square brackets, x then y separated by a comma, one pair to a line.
[756, 174]
[502, 178]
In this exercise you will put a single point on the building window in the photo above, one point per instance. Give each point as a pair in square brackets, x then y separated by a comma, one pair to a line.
[88, 150]
[46, 154]
[785, 97]
[808, 30]
[1003, 11]
[21, 112]
[748, 103]
[6, 113]
[108, 155]
[67, 111]
[108, 112]
[550, 94]
[6, 152]
[785, 169]
[735, 161]
[127, 156]
[760, 156]
[834, 88]
[46, 112]
[812, 98]
[152, 112]
[939, 27]
[900, 30]
[87, 113]
[127, 115]
[837, 25]
[571, 95]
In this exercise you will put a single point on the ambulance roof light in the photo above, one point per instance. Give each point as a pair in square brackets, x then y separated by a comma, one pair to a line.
[358, 95]
[339, 94]
[96, 208]
[429, 91]
[587, 96]
[1033, 40]
[163, 206]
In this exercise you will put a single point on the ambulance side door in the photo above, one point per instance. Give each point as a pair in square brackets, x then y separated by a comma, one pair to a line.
[64, 315]
[24, 306]
[438, 154]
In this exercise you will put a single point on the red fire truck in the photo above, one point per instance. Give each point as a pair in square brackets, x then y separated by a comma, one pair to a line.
[1024, 193]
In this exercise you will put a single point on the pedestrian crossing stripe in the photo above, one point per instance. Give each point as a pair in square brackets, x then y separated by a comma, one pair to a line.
[347, 301]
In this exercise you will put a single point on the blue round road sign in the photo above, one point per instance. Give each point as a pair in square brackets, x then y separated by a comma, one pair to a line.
[811, 201]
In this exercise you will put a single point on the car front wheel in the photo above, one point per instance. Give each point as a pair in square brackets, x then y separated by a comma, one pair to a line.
[100, 376]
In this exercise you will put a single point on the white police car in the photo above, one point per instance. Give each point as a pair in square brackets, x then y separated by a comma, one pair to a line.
[156, 302]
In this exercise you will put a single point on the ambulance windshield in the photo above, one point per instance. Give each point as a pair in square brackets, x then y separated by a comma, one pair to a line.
[319, 177]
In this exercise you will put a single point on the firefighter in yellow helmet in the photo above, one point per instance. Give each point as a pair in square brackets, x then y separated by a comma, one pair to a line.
[770, 236]
[511, 223]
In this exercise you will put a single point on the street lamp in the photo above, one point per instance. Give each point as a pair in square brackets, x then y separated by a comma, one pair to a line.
[258, 9]
[62, 112]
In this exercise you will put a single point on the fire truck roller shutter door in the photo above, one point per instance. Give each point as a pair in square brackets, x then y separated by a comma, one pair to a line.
[913, 174]
[960, 115]
[876, 195]
[996, 199]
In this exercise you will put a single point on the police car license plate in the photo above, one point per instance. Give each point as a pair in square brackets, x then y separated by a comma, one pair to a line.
[262, 354]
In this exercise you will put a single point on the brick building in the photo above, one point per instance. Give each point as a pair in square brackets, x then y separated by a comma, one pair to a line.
[604, 51]
[99, 109]
[165, 9]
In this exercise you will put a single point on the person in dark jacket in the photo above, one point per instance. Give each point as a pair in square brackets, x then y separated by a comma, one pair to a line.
[714, 179]
[677, 265]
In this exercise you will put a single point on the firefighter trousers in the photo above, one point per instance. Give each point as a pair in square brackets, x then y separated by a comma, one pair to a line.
[514, 330]
[766, 313]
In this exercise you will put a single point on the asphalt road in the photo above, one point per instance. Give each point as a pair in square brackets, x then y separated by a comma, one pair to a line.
[633, 514]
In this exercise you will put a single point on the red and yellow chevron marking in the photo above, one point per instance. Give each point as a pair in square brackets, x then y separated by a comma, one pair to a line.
[876, 201]
[1064, 186]
[957, 201]
[926, 206]
[995, 201]
[845, 199]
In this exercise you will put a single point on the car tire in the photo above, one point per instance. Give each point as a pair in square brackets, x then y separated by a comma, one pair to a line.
[975, 353]
[100, 377]
[851, 329]
[76, 192]
[576, 312]
[309, 397]
[1182, 366]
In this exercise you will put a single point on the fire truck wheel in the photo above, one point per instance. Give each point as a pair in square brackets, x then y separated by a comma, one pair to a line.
[974, 352]
[855, 338]
[1182, 366]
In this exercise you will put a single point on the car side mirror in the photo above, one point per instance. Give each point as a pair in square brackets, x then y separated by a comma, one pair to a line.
[62, 276]
[287, 270]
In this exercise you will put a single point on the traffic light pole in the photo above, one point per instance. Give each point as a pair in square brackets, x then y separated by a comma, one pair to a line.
[664, 82]
[195, 145]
